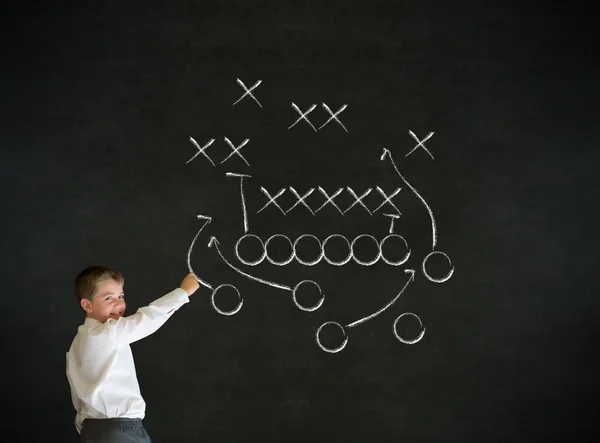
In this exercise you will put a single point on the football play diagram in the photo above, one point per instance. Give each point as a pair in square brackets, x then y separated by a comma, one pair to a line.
[396, 241]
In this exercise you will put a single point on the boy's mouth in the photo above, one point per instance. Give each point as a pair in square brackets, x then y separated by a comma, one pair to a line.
[116, 314]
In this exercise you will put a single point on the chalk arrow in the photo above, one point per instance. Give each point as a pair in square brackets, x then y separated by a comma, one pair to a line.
[214, 242]
[375, 314]
[387, 153]
[207, 220]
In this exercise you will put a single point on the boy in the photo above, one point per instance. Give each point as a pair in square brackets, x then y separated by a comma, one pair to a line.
[100, 367]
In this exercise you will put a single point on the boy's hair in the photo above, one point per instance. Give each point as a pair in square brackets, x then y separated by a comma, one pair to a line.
[87, 280]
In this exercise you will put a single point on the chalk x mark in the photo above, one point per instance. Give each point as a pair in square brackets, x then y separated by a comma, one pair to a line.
[248, 91]
[301, 199]
[201, 150]
[272, 199]
[420, 143]
[236, 150]
[329, 199]
[358, 199]
[387, 199]
[334, 116]
[303, 115]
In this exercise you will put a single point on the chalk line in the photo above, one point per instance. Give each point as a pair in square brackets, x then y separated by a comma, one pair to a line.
[362, 320]
[241, 176]
[215, 242]
[387, 153]
[207, 220]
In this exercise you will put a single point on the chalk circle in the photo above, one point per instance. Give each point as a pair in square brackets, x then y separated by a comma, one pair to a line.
[331, 350]
[220, 311]
[308, 308]
[437, 280]
[344, 261]
[288, 260]
[404, 340]
[402, 260]
[250, 262]
[308, 263]
[365, 263]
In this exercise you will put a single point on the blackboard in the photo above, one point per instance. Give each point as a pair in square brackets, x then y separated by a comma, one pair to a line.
[452, 295]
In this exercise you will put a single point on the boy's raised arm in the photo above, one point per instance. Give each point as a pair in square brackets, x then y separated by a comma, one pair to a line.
[149, 318]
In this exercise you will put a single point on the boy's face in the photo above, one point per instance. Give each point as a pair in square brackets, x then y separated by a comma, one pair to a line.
[108, 301]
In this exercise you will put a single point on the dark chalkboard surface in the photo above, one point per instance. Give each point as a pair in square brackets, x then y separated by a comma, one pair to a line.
[390, 206]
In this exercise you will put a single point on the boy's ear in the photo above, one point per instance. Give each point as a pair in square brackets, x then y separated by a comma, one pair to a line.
[86, 305]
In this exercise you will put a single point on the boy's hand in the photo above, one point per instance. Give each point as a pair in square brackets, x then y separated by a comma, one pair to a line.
[189, 284]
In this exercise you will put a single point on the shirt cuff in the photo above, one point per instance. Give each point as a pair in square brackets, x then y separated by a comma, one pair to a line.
[182, 295]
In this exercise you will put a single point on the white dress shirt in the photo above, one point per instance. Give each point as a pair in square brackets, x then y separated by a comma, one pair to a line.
[100, 366]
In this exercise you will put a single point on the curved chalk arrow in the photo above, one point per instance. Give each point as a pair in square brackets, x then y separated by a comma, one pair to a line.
[362, 320]
[215, 242]
[386, 152]
[202, 282]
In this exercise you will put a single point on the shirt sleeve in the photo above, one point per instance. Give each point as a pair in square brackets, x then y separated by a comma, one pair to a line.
[147, 319]
[74, 398]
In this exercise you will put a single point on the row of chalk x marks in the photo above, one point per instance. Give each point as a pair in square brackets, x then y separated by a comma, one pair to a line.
[333, 116]
[235, 150]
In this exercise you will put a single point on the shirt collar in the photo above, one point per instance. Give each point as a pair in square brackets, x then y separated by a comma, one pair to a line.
[89, 321]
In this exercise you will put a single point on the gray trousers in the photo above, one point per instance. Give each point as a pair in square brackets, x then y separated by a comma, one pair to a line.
[114, 430]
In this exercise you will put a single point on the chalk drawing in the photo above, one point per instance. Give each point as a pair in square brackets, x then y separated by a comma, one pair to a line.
[250, 262]
[302, 202]
[329, 199]
[360, 321]
[301, 199]
[304, 262]
[392, 218]
[437, 280]
[272, 199]
[201, 150]
[207, 220]
[308, 308]
[334, 116]
[248, 91]
[387, 199]
[322, 253]
[405, 340]
[303, 115]
[388, 154]
[358, 199]
[215, 243]
[420, 143]
[221, 311]
[236, 150]
[241, 176]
